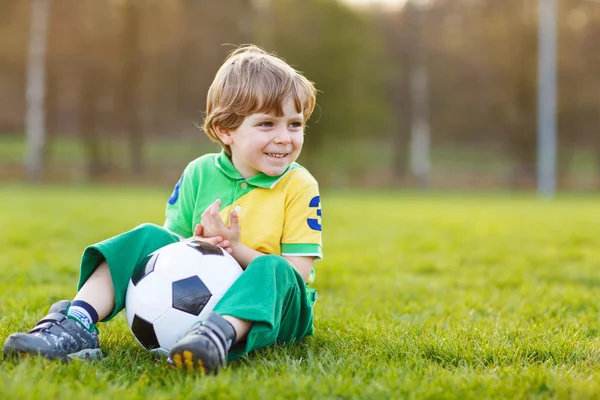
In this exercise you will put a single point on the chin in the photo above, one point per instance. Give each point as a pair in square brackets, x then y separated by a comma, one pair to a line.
[275, 169]
[273, 172]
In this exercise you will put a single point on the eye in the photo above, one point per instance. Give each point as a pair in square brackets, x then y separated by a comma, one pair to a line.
[296, 125]
[266, 124]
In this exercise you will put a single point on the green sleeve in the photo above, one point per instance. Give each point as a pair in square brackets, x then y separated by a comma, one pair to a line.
[180, 206]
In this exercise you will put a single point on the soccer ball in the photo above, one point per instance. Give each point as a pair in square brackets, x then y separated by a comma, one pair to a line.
[174, 287]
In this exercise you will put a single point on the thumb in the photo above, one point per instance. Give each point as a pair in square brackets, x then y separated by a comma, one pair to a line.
[234, 221]
[198, 230]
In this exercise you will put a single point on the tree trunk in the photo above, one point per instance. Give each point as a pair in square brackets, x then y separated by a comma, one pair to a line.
[130, 80]
[397, 44]
[520, 137]
[419, 90]
[35, 118]
[89, 93]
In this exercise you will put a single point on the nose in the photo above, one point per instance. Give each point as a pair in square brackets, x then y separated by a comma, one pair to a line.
[282, 136]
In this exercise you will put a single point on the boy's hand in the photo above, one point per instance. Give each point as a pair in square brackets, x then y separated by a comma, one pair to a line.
[214, 240]
[213, 226]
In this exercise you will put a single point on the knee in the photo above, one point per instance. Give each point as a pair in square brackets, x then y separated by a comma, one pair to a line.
[153, 230]
[148, 227]
[272, 263]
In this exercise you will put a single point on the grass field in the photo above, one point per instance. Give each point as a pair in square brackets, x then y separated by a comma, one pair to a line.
[339, 164]
[428, 297]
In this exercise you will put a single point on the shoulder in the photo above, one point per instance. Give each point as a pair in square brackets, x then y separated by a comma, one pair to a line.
[302, 173]
[202, 165]
[204, 162]
[298, 176]
[296, 181]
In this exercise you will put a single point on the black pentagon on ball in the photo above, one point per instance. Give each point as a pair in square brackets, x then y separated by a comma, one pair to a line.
[190, 295]
[144, 332]
[206, 248]
[144, 268]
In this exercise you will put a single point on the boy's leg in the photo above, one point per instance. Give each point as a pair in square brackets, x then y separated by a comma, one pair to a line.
[121, 254]
[278, 306]
[106, 268]
[56, 336]
[269, 298]
[98, 292]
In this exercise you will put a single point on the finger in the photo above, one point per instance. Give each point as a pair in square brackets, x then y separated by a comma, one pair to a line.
[215, 241]
[226, 248]
[212, 240]
[198, 230]
[207, 219]
[214, 207]
[234, 221]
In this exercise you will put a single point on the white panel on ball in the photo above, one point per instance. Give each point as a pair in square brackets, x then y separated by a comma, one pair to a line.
[171, 326]
[218, 275]
[177, 261]
[151, 298]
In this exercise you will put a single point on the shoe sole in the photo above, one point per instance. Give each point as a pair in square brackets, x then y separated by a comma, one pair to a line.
[160, 353]
[83, 355]
[187, 361]
[87, 355]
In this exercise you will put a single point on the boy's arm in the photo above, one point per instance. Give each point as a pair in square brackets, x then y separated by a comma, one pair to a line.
[245, 255]
[180, 206]
[301, 236]
[302, 264]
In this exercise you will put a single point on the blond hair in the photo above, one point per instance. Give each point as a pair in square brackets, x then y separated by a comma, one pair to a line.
[253, 81]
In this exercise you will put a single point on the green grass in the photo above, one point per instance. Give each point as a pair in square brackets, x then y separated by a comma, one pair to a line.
[71, 151]
[444, 296]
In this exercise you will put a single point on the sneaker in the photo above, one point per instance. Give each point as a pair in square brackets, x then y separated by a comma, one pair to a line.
[55, 337]
[204, 347]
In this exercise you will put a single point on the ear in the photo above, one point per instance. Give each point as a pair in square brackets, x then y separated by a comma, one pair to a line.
[223, 134]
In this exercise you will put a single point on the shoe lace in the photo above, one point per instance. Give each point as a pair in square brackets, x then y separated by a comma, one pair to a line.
[45, 325]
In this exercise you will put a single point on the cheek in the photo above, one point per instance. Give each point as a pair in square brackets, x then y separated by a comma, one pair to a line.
[298, 140]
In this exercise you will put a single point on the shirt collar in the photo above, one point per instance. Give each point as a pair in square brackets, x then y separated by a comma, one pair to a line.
[223, 162]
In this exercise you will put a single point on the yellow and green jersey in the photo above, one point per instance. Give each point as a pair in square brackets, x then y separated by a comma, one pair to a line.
[278, 215]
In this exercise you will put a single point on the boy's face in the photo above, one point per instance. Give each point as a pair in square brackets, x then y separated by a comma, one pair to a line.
[265, 143]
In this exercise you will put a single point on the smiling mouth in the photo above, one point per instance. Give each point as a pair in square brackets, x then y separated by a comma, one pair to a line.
[277, 155]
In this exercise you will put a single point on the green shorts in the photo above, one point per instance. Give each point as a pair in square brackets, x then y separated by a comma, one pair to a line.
[270, 292]
[122, 253]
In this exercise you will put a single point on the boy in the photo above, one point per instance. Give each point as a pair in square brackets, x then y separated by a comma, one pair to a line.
[252, 200]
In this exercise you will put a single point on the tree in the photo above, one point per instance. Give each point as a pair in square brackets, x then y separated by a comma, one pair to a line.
[129, 83]
[396, 44]
[419, 97]
[35, 118]
[341, 51]
[90, 86]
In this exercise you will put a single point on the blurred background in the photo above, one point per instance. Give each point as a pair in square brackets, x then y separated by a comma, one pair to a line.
[439, 94]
